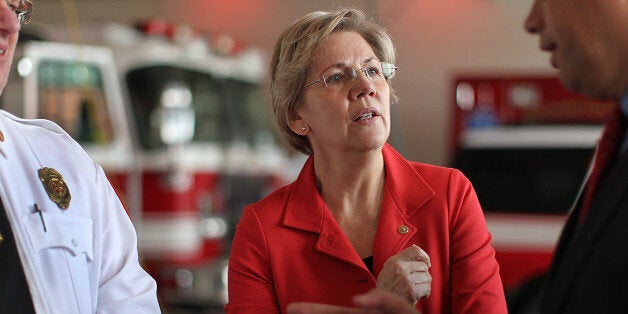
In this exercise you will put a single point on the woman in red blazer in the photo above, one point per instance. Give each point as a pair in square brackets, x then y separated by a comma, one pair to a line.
[359, 216]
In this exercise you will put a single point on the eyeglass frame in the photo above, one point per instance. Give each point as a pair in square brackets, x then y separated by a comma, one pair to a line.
[385, 66]
[24, 10]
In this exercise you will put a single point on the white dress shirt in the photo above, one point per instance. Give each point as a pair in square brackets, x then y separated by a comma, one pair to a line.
[82, 259]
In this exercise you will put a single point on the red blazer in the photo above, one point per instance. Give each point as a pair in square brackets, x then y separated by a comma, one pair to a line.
[288, 247]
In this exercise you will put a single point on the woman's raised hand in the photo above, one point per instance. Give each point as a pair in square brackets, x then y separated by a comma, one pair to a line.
[407, 274]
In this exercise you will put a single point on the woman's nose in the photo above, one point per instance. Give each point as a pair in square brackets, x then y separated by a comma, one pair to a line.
[362, 86]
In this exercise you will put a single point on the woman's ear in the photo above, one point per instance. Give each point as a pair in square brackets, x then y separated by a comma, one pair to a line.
[298, 125]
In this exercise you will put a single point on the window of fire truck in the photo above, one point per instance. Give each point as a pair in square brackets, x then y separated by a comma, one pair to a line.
[71, 94]
[226, 110]
[525, 180]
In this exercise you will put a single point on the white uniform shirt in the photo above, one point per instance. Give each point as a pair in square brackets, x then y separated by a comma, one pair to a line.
[86, 260]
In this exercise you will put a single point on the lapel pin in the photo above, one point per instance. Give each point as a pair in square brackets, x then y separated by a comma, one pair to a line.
[403, 229]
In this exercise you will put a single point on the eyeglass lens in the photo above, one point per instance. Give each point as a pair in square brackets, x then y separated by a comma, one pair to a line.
[375, 72]
[337, 76]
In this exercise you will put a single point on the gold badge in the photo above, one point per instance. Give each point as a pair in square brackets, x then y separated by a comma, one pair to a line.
[55, 187]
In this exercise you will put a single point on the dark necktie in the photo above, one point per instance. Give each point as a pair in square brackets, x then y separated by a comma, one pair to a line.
[607, 150]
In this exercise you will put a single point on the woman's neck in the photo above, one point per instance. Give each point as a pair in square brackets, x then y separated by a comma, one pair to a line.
[352, 186]
[351, 182]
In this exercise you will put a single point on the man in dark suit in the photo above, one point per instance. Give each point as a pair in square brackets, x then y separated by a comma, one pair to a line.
[588, 40]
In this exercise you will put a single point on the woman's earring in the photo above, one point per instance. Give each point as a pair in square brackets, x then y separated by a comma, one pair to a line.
[303, 128]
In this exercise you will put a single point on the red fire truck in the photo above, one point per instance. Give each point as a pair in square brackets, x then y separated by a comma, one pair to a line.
[181, 131]
[525, 143]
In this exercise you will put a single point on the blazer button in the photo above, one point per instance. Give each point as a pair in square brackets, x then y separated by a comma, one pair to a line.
[403, 229]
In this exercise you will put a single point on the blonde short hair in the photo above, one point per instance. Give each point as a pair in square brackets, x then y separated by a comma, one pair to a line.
[295, 49]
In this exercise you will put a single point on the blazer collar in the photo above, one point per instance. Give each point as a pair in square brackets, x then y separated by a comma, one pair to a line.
[404, 187]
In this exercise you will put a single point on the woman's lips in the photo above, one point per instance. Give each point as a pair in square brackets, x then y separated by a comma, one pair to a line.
[365, 114]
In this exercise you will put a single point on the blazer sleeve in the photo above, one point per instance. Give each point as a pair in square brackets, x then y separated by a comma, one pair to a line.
[475, 281]
[251, 287]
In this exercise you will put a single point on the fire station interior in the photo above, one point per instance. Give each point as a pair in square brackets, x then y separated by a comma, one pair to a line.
[475, 93]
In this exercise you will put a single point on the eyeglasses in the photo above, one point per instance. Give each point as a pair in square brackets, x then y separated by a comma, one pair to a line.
[22, 8]
[337, 77]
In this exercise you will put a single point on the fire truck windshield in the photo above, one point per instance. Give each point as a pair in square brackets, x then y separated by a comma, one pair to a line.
[225, 110]
[72, 94]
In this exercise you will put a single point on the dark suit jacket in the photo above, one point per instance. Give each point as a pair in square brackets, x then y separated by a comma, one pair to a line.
[589, 273]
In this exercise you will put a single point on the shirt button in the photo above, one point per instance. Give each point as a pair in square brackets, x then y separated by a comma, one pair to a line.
[74, 242]
[403, 229]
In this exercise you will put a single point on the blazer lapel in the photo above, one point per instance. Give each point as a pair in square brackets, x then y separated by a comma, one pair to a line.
[405, 193]
[307, 211]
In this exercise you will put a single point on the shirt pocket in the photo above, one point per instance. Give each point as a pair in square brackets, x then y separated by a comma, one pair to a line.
[71, 233]
[64, 254]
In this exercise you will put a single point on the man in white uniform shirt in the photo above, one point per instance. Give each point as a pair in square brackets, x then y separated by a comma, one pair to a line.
[66, 242]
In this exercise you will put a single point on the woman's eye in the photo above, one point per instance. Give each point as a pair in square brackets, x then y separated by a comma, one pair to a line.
[334, 78]
[372, 71]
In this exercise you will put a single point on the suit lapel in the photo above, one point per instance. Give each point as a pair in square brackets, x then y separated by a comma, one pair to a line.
[580, 240]
[603, 153]
[606, 152]
[604, 206]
